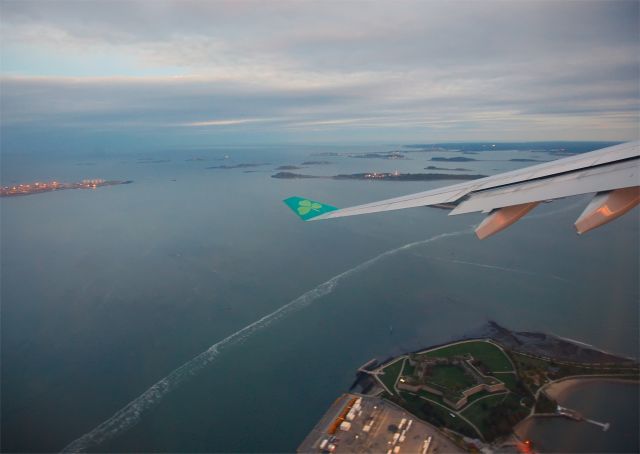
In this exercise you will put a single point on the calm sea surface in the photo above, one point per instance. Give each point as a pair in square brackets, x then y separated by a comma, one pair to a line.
[613, 403]
[106, 292]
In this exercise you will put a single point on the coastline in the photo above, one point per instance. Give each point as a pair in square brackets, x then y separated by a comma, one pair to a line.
[559, 389]
[591, 347]
[523, 428]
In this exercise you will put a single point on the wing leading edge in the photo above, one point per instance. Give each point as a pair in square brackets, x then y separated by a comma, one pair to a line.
[613, 173]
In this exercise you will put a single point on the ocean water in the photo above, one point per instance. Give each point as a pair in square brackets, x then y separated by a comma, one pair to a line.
[191, 311]
[613, 403]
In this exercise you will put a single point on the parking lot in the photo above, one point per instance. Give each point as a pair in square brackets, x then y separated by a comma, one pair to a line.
[369, 424]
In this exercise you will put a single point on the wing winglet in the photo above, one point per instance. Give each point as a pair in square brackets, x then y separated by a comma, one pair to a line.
[307, 209]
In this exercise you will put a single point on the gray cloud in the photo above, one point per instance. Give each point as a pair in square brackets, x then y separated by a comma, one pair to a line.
[405, 70]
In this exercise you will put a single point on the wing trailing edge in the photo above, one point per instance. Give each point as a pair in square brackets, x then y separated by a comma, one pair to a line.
[613, 173]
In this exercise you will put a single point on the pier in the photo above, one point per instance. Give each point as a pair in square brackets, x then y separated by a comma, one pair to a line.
[577, 416]
[367, 367]
[605, 425]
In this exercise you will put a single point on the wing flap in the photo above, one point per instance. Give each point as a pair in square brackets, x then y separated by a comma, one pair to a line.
[509, 195]
[614, 176]
[566, 169]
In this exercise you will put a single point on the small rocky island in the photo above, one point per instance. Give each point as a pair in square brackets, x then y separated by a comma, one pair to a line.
[457, 169]
[244, 165]
[454, 159]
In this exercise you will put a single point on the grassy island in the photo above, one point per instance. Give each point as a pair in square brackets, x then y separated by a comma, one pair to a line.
[482, 388]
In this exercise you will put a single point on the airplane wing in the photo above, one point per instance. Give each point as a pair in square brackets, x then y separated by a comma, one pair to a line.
[613, 173]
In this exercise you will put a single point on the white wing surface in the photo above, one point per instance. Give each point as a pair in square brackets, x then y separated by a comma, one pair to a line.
[613, 173]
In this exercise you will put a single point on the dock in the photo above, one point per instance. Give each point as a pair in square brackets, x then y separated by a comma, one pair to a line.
[577, 416]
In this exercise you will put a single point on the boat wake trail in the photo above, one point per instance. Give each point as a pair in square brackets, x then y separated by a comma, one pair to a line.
[502, 268]
[129, 415]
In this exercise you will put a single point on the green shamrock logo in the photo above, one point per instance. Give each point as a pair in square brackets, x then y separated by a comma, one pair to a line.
[304, 206]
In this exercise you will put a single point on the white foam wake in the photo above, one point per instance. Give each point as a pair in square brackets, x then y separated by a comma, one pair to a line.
[129, 415]
[501, 268]
[516, 270]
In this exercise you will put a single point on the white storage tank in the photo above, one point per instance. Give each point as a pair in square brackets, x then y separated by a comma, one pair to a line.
[345, 425]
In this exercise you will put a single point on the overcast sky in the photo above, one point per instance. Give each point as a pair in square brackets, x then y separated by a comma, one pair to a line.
[152, 73]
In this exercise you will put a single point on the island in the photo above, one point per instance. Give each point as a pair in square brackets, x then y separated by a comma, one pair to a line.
[379, 155]
[152, 161]
[457, 169]
[288, 167]
[471, 393]
[326, 154]
[454, 159]
[387, 176]
[39, 188]
[294, 176]
[315, 163]
[243, 165]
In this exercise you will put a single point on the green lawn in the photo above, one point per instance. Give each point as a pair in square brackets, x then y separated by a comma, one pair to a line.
[430, 396]
[477, 396]
[451, 377]
[408, 369]
[435, 414]
[391, 373]
[440, 400]
[508, 379]
[478, 411]
[492, 357]
[528, 362]
[495, 416]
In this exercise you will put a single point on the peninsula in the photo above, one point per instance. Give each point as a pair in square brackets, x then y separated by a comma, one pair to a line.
[476, 390]
[388, 176]
[38, 187]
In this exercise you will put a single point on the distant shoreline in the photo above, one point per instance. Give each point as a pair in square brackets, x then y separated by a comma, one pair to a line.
[41, 188]
[382, 176]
